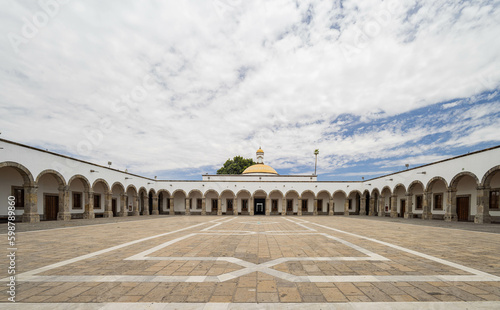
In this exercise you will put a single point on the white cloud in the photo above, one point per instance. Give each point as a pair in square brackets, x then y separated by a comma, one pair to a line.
[230, 76]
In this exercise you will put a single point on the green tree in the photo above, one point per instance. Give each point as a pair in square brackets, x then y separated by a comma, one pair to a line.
[236, 165]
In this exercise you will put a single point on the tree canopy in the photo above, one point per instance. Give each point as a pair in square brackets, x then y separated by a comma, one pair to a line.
[236, 165]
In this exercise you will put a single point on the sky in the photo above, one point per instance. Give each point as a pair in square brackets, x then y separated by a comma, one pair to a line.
[175, 88]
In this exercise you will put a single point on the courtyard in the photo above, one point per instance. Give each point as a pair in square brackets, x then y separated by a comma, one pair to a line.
[233, 261]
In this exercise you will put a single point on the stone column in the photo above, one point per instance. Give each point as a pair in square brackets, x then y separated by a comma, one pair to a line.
[235, 205]
[394, 205]
[381, 206]
[409, 206]
[88, 213]
[371, 211]
[268, 206]
[299, 208]
[426, 212]
[219, 206]
[251, 206]
[362, 207]
[188, 207]
[331, 207]
[145, 204]
[283, 206]
[108, 211]
[172, 210]
[63, 213]
[155, 205]
[30, 214]
[123, 205]
[204, 206]
[451, 206]
[315, 210]
[483, 206]
[135, 206]
[346, 207]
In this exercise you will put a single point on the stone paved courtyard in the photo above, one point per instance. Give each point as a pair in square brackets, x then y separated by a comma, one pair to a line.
[186, 261]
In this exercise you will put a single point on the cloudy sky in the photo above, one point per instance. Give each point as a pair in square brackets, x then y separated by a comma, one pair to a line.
[174, 88]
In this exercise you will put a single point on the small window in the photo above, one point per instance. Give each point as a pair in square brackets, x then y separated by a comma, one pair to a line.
[304, 205]
[198, 203]
[419, 202]
[274, 204]
[438, 201]
[18, 193]
[97, 201]
[244, 205]
[495, 199]
[77, 201]
[350, 204]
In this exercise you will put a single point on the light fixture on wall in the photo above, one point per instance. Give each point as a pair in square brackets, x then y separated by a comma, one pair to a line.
[150, 183]
[93, 171]
[126, 178]
[370, 184]
[109, 164]
[388, 179]
[423, 172]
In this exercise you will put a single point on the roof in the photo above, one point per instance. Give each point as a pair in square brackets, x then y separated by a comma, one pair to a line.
[260, 168]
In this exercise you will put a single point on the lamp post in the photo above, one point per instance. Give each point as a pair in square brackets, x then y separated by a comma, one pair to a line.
[316, 152]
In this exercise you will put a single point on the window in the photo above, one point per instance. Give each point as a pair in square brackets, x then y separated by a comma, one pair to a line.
[289, 205]
[304, 205]
[438, 201]
[18, 193]
[274, 204]
[494, 199]
[350, 204]
[214, 204]
[244, 205]
[77, 201]
[320, 205]
[97, 201]
[198, 203]
[419, 202]
[168, 203]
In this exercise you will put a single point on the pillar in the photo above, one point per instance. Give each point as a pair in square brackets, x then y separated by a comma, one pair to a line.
[394, 205]
[172, 209]
[188, 206]
[299, 208]
[315, 210]
[145, 204]
[219, 206]
[331, 207]
[155, 205]
[409, 206]
[346, 206]
[451, 206]
[362, 207]
[30, 214]
[426, 212]
[108, 211]
[63, 212]
[381, 206]
[88, 213]
[483, 206]
[235, 205]
[371, 210]
[123, 205]
[268, 206]
[204, 206]
[283, 206]
[251, 207]
[135, 205]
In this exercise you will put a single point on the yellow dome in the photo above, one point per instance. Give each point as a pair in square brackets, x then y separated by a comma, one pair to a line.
[260, 150]
[260, 168]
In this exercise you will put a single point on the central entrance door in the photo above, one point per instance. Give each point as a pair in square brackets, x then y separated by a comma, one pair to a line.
[260, 206]
[463, 208]
[51, 207]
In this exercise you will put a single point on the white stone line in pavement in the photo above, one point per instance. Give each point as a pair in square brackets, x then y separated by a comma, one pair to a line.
[425, 305]
[303, 226]
[86, 256]
[476, 272]
[218, 223]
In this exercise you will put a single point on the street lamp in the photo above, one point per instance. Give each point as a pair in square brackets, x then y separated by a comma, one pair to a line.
[316, 152]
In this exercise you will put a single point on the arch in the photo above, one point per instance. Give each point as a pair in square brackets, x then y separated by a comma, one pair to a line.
[276, 191]
[259, 190]
[292, 191]
[433, 180]
[179, 191]
[152, 190]
[194, 191]
[386, 188]
[398, 185]
[85, 182]
[486, 180]
[211, 190]
[375, 191]
[102, 181]
[142, 189]
[354, 191]
[131, 186]
[308, 191]
[23, 171]
[458, 177]
[227, 191]
[163, 191]
[366, 192]
[58, 176]
[339, 191]
[119, 185]
[323, 191]
[242, 191]
[412, 184]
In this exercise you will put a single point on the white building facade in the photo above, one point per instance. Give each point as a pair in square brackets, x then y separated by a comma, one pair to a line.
[50, 186]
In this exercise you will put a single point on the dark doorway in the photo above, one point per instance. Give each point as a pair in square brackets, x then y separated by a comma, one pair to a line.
[51, 207]
[113, 206]
[215, 203]
[367, 204]
[289, 206]
[259, 206]
[229, 207]
[150, 203]
[402, 202]
[463, 208]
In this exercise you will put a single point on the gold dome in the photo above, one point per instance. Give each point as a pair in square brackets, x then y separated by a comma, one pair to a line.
[260, 150]
[260, 168]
